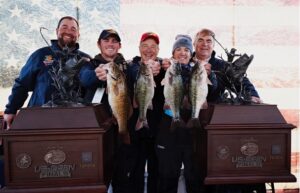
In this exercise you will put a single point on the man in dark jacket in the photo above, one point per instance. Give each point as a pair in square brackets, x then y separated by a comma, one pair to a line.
[144, 138]
[35, 76]
[94, 75]
[94, 78]
[204, 44]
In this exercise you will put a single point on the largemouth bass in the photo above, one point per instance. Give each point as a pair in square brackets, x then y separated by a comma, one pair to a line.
[198, 91]
[118, 97]
[143, 94]
[174, 92]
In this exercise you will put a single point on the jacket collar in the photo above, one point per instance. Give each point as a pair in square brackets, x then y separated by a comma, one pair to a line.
[118, 59]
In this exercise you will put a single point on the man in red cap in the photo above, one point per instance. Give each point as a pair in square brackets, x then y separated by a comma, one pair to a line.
[144, 138]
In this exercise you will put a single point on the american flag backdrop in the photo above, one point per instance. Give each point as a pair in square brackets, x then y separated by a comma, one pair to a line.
[20, 22]
[268, 29]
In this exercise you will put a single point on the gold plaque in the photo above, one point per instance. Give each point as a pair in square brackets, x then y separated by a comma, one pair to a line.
[249, 149]
[223, 152]
[55, 157]
[23, 161]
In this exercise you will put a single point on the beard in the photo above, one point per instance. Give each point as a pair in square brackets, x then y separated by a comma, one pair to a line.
[69, 44]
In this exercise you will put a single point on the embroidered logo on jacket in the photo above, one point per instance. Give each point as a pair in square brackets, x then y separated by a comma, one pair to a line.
[48, 60]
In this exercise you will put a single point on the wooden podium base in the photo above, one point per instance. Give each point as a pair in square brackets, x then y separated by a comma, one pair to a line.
[245, 144]
[79, 189]
[55, 150]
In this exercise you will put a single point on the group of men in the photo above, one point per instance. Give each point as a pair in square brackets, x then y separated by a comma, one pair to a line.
[156, 146]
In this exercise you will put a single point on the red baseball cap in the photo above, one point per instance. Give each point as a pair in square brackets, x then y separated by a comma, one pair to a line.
[151, 35]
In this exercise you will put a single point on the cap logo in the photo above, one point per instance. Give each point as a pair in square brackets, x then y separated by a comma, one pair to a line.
[111, 31]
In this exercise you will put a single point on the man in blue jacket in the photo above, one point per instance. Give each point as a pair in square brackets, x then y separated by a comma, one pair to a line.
[35, 75]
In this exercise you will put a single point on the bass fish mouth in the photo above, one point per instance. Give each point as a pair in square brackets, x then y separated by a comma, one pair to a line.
[113, 77]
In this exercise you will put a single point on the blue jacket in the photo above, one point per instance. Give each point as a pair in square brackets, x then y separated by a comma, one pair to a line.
[35, 77]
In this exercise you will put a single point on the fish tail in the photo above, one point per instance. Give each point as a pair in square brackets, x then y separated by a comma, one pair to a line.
[176, 123]
[141, 123]
[123, 130]
[194, 123]
[122, 124]
[124, 137]
[145, 123]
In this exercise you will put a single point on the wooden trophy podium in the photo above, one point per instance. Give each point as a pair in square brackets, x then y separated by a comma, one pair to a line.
[59, 149]
[243, 144]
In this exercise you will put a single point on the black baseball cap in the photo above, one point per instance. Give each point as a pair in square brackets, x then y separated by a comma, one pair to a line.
[109, 32]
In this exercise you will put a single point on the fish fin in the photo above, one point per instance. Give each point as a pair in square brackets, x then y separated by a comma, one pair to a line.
[204, 105]
[145, 123]
[176, 123]
[139, 124]
[163, 82]
[208, 81]
[150, 106]
[116, 90]
[194, 123]
[170, 80]
[135, 102]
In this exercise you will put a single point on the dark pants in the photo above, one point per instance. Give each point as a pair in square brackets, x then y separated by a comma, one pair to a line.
[130, 163]
[124, 168]
[175, 148]
[145, 143]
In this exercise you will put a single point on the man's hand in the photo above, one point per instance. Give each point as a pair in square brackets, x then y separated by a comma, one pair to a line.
[154, 65]
[8, 119]
[256, 100]
[166, 63]
[207, 67]
[101, 72]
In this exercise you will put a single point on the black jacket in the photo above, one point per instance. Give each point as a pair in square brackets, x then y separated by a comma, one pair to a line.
[90, 81]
